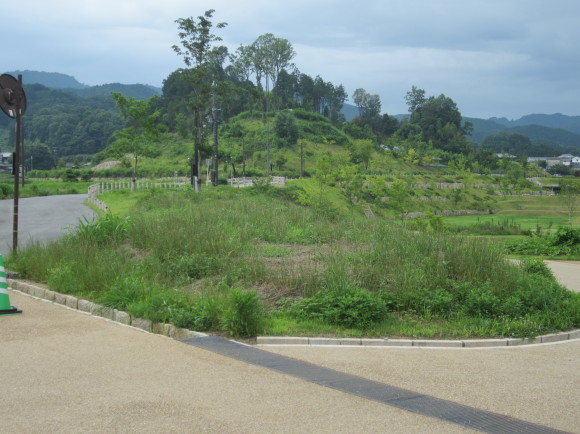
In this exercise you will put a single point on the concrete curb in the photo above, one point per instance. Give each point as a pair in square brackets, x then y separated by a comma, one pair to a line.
[423, 343]
[171, 331]
[98, 310]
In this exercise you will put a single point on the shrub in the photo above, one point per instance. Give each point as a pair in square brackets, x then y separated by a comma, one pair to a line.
[158, 305]
[106, 228]
[537, 266]
[242, 318]
[123, 292]
[351, 307]
[566, 241]
[204, 315]
[567, 236]
[437, 301]
[63, 278]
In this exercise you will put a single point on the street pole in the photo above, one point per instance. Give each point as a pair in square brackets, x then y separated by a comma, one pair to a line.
[16, 165]
[301, 158]
[215, 141]
[267, 131]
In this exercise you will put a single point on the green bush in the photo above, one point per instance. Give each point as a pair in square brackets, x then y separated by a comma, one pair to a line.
[105, 228]
[159, 305]
[243, 315]
[63, 278]
[124, 291]
[537, 266]
[351, 307]
[566, 241]
[204, 315]
[6, 190]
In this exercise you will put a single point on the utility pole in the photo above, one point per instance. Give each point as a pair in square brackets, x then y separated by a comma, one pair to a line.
[301, 158]
[267, 131]
[214, 111]
[243, 158]
[13, 104]
[16, 165]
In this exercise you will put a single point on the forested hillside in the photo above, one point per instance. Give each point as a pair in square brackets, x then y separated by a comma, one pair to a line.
[54, 80]
[544, 135]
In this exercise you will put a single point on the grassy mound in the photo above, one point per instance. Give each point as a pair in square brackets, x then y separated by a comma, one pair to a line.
[248, 262]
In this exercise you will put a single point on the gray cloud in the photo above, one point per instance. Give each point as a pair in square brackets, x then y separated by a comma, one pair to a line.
[493, 57]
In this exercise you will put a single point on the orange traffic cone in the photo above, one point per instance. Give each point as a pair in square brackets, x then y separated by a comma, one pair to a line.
[5, 308]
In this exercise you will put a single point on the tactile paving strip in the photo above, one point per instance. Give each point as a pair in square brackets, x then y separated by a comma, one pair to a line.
[425, 405]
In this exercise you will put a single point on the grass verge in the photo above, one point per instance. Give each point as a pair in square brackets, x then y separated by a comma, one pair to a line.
[246, 262]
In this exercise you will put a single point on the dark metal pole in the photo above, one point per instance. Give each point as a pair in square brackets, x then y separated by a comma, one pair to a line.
[301, 159]
[267, 131]
[22, 150]
[215, 142]
[17, 165]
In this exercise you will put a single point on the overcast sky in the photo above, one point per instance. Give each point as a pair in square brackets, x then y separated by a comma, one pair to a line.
[492, 57]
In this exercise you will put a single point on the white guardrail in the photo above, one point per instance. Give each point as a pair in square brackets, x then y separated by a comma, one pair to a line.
[96, 190]
[276, 181]
[106, 187]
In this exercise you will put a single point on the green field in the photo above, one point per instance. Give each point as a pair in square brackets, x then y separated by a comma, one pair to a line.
[527, 212]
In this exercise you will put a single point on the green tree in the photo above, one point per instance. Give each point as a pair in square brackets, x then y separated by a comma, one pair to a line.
[400, 198]
[142, 131]
[369, 105]
[38, 156]
[361, 152]
[286, 128]
[270, 55]
[570, 196]
[440, 122]
[198, 52]
[415, 99]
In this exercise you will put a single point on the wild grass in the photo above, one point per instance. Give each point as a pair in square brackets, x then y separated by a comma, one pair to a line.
[244, 262]
[35, 187]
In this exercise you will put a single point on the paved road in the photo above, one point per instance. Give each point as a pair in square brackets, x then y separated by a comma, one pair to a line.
[64, 371]
[567, 273]
[42, 219]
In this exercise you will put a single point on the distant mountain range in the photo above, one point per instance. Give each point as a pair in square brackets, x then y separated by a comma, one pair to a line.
[56, 80]
[556, 128]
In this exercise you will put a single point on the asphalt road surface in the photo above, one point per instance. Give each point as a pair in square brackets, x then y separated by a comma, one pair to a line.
[41, 219]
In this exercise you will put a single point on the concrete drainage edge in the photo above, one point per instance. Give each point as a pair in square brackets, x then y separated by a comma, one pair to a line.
[95, 309]
[181, 333]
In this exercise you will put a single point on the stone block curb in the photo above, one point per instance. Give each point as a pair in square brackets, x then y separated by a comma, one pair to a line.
[171, 331]
[143, 324]
[85, 306]
[59, 298]
[122, 317]
[71, 301]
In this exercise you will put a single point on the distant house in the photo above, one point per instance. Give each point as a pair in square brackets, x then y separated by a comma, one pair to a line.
[508, 156]
[564, 159]
[4, 156]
